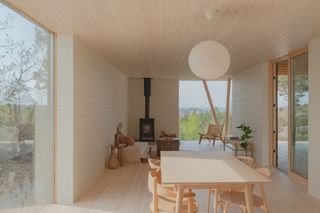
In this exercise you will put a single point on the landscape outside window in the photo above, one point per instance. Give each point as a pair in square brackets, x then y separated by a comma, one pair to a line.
[25, 111]
[194, 108]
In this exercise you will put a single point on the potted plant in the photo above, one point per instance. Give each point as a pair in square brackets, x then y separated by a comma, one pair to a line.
[246, 135]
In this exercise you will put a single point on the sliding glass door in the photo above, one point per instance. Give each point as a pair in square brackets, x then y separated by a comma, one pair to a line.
[289, 151]
[299, 115]
[26, 111]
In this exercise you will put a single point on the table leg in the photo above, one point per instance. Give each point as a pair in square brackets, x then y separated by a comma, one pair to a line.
[179, 198]
[248, 195]
[190, 202]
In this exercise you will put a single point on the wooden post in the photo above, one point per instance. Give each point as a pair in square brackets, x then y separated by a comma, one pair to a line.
[213, 111]
[226, 123]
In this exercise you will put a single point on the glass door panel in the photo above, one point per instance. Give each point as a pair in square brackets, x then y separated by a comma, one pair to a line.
[299, 115]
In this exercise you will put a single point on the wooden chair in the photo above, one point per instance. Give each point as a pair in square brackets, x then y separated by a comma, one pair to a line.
[164, 199]
[214, 132]
[247, 160]
[216, 193]
[154, 164]
[238, 197]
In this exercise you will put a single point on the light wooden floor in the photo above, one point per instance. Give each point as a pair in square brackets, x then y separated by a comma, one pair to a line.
[125, 190]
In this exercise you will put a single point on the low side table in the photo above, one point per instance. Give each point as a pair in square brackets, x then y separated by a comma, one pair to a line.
[234, 145]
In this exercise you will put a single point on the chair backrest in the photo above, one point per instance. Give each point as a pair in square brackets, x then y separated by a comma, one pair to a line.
[247, 160]
[151, 181]
[264, 171]
[154, 164]
[215, 129]
[162, 198]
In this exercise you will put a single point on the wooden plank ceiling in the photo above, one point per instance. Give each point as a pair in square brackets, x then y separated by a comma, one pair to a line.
[152, 38]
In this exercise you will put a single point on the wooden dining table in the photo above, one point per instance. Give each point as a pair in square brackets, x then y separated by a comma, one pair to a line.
[207, 170]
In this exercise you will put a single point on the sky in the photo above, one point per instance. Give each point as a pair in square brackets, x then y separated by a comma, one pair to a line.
[192, 93]
[22, 29]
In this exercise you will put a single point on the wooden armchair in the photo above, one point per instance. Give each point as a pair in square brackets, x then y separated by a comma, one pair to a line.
[216, 193]
[164, 198]
[154, 164]
[214, 132]
[238, 197]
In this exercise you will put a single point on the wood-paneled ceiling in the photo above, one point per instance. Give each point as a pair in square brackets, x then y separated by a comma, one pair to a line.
[152, 38]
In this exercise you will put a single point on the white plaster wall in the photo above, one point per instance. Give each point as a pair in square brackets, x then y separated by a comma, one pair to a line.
[164, 105]
[250, 105]
[100, 103]
[314, 117]
[64, 120]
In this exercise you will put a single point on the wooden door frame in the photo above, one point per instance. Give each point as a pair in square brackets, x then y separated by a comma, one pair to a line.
[272, 121]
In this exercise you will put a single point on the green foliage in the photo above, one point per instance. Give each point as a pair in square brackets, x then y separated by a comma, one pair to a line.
[194, 121]
[301, 87]
[246, 135]
[301, 109]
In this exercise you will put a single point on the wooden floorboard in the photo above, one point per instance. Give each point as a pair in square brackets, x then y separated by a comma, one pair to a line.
[125, 190]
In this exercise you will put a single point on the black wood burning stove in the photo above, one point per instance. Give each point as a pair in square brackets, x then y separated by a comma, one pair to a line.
[147, 124]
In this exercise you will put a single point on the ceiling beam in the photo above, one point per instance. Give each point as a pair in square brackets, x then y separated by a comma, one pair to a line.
[213, 111]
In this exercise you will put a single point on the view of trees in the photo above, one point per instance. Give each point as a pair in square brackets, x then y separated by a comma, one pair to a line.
[301, 107]
[24, 78]
[196, 120]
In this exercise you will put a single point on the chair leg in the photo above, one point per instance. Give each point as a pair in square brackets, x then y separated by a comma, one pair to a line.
[213, 141]
[242, 209]
[215, 201]
[263, 195]
[200, 139]
[225, 208]
[209, 199]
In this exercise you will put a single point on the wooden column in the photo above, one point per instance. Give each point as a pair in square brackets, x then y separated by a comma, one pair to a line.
[213, 111]
[226, 126]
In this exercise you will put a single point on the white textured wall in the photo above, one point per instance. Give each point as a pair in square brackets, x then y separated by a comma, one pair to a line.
[64, 120]
[314, 117]
[164, 105]
[100, 103]
[91, 99]
[250, 105]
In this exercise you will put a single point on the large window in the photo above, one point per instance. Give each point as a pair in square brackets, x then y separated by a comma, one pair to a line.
[26, 111]
[194, 108]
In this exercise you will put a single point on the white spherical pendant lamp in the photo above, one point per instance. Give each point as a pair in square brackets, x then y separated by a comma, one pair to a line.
[209, 60]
